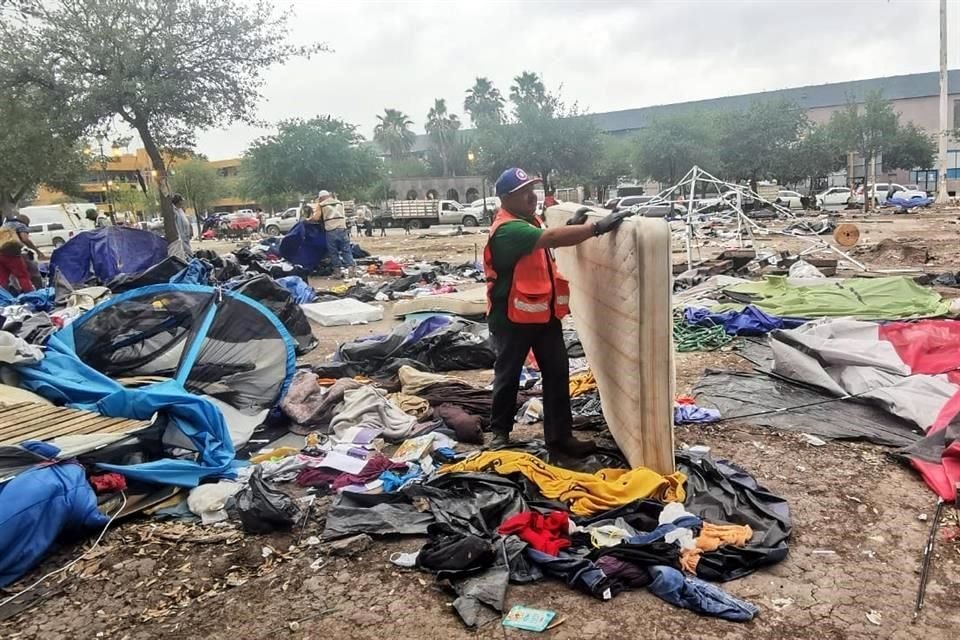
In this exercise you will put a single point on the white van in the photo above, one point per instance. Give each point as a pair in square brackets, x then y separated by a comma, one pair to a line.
[50, 234]
[71, 216]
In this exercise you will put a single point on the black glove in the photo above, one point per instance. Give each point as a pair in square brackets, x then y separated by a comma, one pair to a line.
[609, 223]
[580, 217]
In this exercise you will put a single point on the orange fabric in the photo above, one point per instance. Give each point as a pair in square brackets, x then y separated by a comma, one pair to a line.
[538, 292]
[711, 538]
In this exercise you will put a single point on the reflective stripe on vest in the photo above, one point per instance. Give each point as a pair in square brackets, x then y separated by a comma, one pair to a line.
[531, 308]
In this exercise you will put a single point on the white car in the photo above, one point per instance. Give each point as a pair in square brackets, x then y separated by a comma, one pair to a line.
[276, 225]
[833, 198]
[882, 189]
[50, 234]
[790, 199]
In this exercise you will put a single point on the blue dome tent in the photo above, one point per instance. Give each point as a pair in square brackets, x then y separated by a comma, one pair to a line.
[222, 359]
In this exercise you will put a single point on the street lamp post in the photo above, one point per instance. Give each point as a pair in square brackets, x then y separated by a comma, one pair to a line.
[483, 184]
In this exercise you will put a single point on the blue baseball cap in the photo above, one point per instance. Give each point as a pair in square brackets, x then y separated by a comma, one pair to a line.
[513, 180]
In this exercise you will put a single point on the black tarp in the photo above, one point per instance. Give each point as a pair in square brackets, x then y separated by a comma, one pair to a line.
[278, 299]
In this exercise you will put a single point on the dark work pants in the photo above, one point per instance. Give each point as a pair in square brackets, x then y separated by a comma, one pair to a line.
[512, 344]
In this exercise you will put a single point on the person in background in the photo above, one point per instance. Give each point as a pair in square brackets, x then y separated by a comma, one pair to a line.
[260, 218]
[549, 200]
[14, 236]
[31, 259]
[329, 210]
[184, 228]
[526, 300]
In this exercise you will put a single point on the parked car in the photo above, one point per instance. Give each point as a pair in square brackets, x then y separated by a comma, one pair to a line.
[50, 234]
[477, 210]
[881, 190]
[239, 224]
[627, 202]
[282, 223]
[790, 199]
[833, 198]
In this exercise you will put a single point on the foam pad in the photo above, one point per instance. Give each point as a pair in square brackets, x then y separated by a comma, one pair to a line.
[620, 288]
[468, 303]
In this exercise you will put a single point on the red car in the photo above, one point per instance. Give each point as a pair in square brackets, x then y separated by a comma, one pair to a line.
[239, 225]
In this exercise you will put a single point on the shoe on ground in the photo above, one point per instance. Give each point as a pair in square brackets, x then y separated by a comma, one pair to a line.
[572, 447]
[500, 439]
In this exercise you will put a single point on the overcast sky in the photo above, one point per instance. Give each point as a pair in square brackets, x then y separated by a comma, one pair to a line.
[606, 54]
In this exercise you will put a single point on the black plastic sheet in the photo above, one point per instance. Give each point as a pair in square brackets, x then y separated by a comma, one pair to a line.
[263, 508]
[278, 299]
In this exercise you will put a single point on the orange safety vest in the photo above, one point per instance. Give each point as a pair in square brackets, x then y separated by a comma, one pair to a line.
[538, 292]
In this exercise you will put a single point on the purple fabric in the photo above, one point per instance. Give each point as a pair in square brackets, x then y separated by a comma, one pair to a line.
[751, 321]
[371, 471]
[626, 573]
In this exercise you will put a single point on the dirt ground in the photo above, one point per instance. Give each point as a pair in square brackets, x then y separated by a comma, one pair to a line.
[860, 525]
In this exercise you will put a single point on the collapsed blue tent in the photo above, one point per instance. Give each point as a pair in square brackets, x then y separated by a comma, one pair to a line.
[218, 351]
[107, 253]
[909, 203]
[305, 245]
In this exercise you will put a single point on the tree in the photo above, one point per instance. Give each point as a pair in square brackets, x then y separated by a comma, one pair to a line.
[197, 181]
[874, 128]
[814, 155]
[484, 103]
[529, 96]
[544, 135]
[614, 161]
[305, 156]
[668, 147]
[911, 148]
[442, 128]
[393, 133]
[166, 68]
[753, 143]
[39, 144]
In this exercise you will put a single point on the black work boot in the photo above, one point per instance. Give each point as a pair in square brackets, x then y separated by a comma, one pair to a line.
[572, 447]
[500, 439]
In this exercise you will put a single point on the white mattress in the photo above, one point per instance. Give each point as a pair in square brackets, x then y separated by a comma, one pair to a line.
[468, 303]
[620, 288]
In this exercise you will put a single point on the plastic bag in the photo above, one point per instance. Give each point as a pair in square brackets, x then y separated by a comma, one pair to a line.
[263, 508]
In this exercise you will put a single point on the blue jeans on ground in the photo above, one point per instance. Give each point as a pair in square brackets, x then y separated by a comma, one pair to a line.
[341, 255]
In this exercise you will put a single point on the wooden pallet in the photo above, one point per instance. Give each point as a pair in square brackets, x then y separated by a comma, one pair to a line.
[33, 421]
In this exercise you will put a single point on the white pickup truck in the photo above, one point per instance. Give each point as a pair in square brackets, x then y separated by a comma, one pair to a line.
[420, 214]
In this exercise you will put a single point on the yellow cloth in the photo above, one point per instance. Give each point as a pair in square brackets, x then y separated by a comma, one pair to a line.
[584, 493]
[274, 454]
[711, 538]
[411, 405]
[582, 383]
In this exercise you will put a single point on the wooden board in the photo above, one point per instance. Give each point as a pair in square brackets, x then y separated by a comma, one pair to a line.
[31, 421]
[620, 298]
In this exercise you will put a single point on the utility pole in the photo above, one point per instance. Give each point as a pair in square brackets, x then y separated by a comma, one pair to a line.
[942, 196]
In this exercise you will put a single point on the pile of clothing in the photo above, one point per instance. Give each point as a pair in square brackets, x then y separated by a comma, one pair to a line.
[509, 516]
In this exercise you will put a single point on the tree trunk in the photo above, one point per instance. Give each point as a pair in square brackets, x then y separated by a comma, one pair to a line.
[8, 206]
[163, 190]
[867, 196]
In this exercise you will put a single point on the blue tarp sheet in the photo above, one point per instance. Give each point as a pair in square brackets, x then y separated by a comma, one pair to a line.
[908, 203]
[36, 507]
[107, 253]
[305, 245]
[750, 321]
[302, 292]
[40, 300]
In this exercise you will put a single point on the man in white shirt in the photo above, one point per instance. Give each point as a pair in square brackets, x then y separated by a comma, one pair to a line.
[330, 211]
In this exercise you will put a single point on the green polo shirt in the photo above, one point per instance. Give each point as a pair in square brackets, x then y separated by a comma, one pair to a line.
[512, 241]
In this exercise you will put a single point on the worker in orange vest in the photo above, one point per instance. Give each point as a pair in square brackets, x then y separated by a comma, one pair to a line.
[526, 299]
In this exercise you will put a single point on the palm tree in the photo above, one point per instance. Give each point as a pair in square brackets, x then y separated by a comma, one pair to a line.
[393, 133]
[484, 103]
[527, 91]
[442, 128]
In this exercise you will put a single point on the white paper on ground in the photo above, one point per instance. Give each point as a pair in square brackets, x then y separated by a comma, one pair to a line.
[342, 462]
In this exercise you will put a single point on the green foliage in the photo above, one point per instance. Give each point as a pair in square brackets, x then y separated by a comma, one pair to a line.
[409, 167]
[305, 156]
[484, 104]
[197, 181]
[866, 129]
[393, 133]
[910, 148]
[668, 147]
[544, 135]
[166, 68]
[39, 144]
[751, 144]
[815, 154]
[615, 160]
[442, 127]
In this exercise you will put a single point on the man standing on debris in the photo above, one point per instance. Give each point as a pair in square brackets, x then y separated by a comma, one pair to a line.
[330, 211]
[526, 299]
